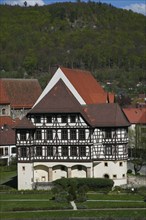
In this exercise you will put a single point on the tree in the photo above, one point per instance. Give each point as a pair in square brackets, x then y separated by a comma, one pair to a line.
[25, 3]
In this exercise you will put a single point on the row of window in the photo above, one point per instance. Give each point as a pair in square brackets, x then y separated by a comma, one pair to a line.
[49, 119]
[64, 134]
[4, 151]
[65, 152]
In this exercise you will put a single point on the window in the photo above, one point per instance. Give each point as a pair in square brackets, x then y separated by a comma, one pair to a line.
[73, 151]
[106, 176]
[3, 111]
[82, 151]
[108, 133]
[1, 151]
[106, 164]
[23, 152]
[72, 118]
[108, 150]
[38, 135]
[123, 175]
[115, 176]
[38, 151]
[49, 134]
[6, 151]
[23, 168]
[13, 150]
[37, 119]
[64, 151]
[49, 151]
[64, 119]
[81, 134]
[73, 135]
[49, 119]
[23, 136]
[120, 164]
[64, 134]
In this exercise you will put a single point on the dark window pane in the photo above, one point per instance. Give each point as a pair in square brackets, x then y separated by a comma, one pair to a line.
[108, 134]
[73, 135]
[65, 151]
[38, 135]
[81, 134]
[37, 119]
[64, 134]
[82, 151]
[49, 119]
[49, 151]
[108, 150]
[73, 151]
[72, 118]
[38, 151]
[49, 134]
[64, 119]
[23, 151]
[23, 136]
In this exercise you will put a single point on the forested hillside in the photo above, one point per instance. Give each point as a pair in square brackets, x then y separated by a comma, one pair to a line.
[94, 36]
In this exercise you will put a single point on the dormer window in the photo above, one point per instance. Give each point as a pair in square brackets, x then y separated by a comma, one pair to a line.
[3, 111]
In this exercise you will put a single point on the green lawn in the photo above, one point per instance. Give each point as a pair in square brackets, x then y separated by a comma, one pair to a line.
[136, 214]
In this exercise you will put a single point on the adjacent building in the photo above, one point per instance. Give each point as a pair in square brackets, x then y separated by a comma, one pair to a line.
[73, 130]
[17, 96]
[137, 129]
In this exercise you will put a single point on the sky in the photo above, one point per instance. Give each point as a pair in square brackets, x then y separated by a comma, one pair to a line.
[138, 6]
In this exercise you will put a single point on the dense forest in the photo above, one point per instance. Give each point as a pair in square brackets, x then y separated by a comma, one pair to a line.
[109, 42]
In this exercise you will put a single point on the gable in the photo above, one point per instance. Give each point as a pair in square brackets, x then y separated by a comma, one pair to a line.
[58, 99]
[82, 85]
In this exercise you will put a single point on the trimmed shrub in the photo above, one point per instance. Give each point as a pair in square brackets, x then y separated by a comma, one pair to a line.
[93, 184]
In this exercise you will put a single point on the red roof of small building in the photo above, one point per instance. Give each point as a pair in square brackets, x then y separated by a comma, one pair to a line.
[86, 85]
[7, 135]
[136, 115]
[7, 120]
[24, 123]
[20, 93]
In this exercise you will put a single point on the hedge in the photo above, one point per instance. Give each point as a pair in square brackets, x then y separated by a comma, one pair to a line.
[94, 184]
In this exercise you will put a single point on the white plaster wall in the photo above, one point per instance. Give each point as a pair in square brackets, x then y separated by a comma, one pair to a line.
[112, 169]
[25, 176]
[78, 173]
[58, 173]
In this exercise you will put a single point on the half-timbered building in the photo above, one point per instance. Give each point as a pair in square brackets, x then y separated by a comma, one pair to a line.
[74, 130]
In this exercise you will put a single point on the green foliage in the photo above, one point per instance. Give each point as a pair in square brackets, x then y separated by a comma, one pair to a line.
[85, 35]
[95, 184]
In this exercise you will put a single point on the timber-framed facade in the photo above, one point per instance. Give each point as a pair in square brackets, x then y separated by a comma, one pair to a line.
[64, 135]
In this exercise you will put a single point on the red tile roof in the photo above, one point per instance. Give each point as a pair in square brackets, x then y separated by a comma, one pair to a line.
[4, 99]
[20, 93]
[86, 85]
[106, 115]
[136, 115]
[7, 120]
[7, 136]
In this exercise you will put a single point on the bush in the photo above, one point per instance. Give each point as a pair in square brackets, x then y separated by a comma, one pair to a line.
[93, 184]
[129, 171]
